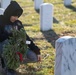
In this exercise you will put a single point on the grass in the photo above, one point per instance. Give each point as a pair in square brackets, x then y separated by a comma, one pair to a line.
[64, 24]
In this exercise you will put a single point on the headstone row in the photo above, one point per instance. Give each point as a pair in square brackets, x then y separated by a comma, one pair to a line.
[46, 13]
[37, 3]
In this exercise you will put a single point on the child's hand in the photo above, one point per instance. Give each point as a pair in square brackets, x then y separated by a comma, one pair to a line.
[39, 58]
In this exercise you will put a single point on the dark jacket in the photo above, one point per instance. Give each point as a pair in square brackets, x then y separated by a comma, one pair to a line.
[5, 24]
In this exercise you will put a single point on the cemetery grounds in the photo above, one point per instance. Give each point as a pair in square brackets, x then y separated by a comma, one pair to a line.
[64, 24]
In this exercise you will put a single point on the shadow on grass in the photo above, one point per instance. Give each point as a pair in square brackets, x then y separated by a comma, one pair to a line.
[37, 10]
[71, 7]
[55, 20]
[50, 36]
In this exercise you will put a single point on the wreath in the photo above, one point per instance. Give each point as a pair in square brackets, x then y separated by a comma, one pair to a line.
[15, 50]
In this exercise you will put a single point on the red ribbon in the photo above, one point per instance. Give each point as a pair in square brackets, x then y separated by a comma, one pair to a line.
[20, 56]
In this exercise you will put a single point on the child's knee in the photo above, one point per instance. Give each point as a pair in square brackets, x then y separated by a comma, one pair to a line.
[32, 56]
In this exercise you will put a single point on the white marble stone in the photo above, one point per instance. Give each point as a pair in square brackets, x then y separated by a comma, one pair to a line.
[37, 4]
[46, 16]
[5, 3]
[67, 2]
[1, 11]
[65, 61]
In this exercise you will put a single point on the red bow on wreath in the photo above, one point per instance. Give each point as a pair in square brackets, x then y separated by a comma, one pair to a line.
[20, 56]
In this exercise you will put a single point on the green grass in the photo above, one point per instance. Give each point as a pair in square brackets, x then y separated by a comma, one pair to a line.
[65, 24]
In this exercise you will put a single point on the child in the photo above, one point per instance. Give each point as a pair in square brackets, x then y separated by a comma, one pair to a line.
[9, 20]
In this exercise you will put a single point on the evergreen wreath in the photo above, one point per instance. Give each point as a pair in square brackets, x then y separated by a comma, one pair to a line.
[15, 50]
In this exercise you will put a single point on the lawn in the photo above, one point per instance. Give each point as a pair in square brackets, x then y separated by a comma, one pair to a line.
[64, 23]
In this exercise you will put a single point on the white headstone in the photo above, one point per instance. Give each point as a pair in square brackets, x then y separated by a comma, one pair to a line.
[37, 4]
[67, 2]
[46, 16]
[1, 11]
[65, 62]
[5, 3]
